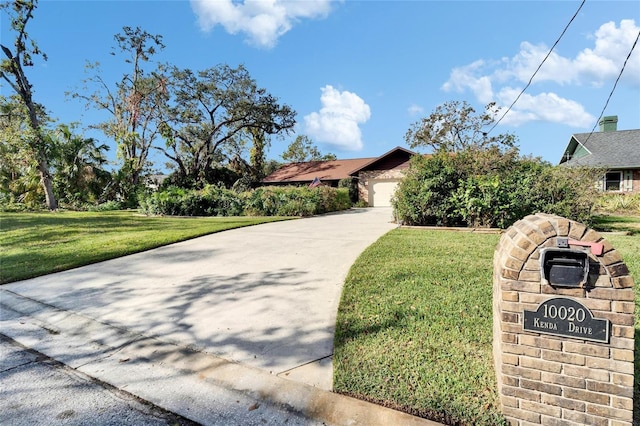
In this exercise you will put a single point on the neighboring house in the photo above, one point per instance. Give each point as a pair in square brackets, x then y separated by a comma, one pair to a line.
[377, 177]
[615, 151]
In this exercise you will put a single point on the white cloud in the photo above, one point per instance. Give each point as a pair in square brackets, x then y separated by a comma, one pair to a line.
[612, 45]
[595, 66]
[414, 110]
[548, 107]
[466, 77]
[337, 122]
[262, 21]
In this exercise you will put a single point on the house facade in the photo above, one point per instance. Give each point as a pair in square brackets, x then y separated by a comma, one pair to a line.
[616, 152]
[377, 177]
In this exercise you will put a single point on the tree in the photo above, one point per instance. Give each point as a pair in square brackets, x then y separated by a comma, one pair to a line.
[134, 104]
[79, 163]
[12, 71]
[257, 155]
[302, 149]
[212, 113]
[455, 126]
[19, 175]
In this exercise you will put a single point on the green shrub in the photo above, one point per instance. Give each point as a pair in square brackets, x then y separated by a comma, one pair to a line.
[221, 201]
[296, 200]
[490, 188]
[106, 206]
[566, 192]
[214, 200]
[352, 186]
[423, 197]
[619, 203]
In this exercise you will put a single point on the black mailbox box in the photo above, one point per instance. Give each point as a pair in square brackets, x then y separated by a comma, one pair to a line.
[564, 267]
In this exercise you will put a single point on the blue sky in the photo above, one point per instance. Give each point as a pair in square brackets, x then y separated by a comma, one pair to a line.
[359, 73]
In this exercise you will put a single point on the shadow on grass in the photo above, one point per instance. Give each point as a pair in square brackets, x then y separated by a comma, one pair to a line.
[629, 225]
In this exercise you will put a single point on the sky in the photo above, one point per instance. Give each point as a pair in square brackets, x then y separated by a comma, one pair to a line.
[360, 73]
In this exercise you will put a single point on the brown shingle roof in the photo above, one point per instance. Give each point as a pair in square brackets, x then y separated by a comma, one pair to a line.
[323, 170]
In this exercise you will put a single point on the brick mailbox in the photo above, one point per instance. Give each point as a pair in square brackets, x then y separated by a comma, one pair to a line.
[563, 340]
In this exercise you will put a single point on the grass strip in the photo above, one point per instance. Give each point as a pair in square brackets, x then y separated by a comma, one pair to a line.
[629, 248]
[414, 327]
[34, 244]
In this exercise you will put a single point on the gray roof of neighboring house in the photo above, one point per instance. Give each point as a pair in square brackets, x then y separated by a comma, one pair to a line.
[616, 149]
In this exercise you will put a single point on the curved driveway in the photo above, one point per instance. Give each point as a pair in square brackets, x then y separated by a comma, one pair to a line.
[264, 296]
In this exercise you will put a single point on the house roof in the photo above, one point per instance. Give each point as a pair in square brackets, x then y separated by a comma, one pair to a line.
[614, 149]
[339, 169]
[397, 158]
[323, 170]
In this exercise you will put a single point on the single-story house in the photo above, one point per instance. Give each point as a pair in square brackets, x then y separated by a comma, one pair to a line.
[616, 151]
[377, 177]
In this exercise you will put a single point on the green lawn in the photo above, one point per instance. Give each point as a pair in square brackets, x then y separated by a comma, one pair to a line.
[33, 244]
[625, 224]
[414, 327]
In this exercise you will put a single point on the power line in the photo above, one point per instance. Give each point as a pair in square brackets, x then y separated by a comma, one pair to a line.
[614, 86]
[539, 66]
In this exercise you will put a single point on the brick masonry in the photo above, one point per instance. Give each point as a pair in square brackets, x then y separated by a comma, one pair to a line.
[549, 380]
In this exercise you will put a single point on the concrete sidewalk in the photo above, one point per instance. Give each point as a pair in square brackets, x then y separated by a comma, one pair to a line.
[246, 312]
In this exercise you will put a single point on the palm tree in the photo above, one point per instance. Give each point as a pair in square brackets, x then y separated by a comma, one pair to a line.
[79, 163]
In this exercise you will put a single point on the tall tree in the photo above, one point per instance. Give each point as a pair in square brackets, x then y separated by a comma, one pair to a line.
[19, 175]
[214, 111]
[134, 103]
[303, 149]
[455, 126]
[12, 71]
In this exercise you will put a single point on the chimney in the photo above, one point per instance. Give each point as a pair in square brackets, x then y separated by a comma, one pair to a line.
[609, 124]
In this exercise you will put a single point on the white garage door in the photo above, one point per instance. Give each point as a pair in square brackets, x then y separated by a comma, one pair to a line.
[381, 191]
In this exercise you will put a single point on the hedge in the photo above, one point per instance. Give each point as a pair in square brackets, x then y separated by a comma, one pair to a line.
[264, 201]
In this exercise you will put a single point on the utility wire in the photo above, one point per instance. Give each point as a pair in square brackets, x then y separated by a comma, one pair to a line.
[538, 69]
[614, 86]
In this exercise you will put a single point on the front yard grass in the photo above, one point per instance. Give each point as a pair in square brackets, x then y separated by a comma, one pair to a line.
[414, 326]
[629, 225]
[34, 244]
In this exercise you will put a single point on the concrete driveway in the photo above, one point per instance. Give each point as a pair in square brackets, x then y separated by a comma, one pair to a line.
[265, 296]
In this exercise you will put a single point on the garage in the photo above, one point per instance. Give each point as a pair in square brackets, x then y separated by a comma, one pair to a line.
[381, 191]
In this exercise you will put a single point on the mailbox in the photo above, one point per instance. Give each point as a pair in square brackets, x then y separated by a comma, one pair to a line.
[564, 267]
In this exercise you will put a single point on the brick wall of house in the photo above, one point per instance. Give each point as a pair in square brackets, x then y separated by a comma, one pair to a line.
[558, 380]
[365, 178]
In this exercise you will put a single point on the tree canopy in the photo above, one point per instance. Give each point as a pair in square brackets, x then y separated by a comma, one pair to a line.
[211, 114]
[455, 126]
[303, 149]
[12, 72]
[134, 104]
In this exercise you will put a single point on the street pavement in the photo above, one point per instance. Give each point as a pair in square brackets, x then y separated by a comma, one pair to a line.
[37, 390]
[231, 328]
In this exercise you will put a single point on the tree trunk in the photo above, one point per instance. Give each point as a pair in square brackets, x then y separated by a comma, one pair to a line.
[47, 184]
[43, 165]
